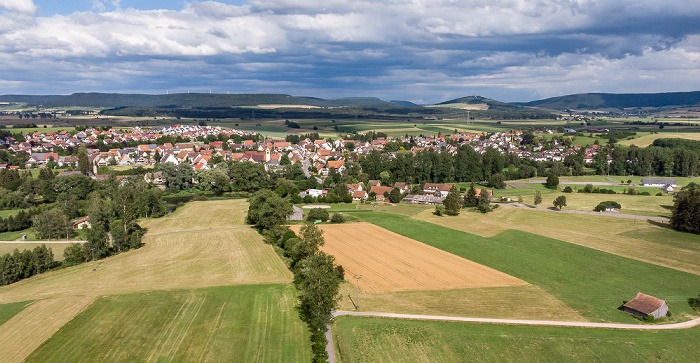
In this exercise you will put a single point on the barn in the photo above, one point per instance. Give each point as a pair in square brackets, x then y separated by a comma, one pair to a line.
[644, 305]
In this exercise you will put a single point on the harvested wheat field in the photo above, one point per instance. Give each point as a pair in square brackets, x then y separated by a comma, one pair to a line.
[390, 262]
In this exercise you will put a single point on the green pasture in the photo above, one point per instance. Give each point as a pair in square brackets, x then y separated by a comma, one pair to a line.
[8, 212]
[592, 282]
[253, 323]
[7, 311]
[17, 235]
[360, 339]
[57, 248]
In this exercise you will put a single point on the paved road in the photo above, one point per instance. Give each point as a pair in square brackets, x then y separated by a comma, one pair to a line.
[601, 214]
[683, 325]
[330, 349]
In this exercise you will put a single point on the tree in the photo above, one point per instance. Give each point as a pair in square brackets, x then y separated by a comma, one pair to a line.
[395, 195]
[484, 203]
[538, 197]
[83, 162]
[552, 181]
[452, 202]
[470, 200]
[337, 218]
[685, 215]
[52, 224]
[559, 202]
[267, 210]
[497, 180]
[317, 214]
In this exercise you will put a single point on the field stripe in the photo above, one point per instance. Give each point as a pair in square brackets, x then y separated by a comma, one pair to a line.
[27, 330]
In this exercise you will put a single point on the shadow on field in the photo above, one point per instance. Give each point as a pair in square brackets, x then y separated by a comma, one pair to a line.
[661, 224]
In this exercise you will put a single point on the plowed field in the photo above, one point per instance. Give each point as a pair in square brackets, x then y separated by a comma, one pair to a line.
[390, 262]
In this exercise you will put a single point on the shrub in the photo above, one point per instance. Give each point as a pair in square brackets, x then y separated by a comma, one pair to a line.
[568, 189]
[337, 218]
[439, 210]
[644, 193]
[603, 205]
[659, 194]
[317, 214]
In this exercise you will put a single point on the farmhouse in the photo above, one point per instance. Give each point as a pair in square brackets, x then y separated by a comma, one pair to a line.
[644, 305]
[82, 223]
[658, 183]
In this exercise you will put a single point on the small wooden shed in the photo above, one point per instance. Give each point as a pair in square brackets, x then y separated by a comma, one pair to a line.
[644, 305]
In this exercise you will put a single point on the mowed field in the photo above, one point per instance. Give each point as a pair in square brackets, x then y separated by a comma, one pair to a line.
[247, 323]
[390, 262]
[647, 140]
[389, 340]
[642, 240]
[166, 262]
[57, 248]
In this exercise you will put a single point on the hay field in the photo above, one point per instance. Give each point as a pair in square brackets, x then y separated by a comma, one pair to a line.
[647, 140]
[251, 323]
[57, 248]
[172, 261]
[390, 262]
[200, 215]
[636, 239]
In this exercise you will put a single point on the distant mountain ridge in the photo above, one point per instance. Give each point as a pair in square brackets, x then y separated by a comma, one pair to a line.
[188, 100]
[617, 100]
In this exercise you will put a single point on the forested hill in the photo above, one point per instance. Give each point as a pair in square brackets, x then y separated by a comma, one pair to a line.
[622, 100]
[188, 100]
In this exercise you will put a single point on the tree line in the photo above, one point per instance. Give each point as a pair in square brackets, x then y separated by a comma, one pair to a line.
[18, 265]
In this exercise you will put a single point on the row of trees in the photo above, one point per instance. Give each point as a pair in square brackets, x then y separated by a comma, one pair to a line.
[315, 273]
[21, 265]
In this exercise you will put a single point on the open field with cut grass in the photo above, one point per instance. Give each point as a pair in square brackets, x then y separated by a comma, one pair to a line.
[643, 205]
[515, 302]
[173, 261]
[638, 239]
[25, 331]
[389, 340]
[188, 260]
[390, 262]
[57, 248]
[647, 140]
[200, 215]
[256, 323]
[592, 282]
[17, 235]
[401, 208]
[7, 311]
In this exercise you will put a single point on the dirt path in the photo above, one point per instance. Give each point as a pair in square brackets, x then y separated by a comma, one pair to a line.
[683, 325]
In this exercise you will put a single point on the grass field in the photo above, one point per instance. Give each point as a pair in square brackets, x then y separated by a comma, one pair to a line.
[256, 323]
[592, 282]
[57, 248]
[647, 140]
[200, 215]
[390, 262]
[17, 235]
[638, 239]
[402, 208]
[515, 302]
[388, 340]
[7, 311]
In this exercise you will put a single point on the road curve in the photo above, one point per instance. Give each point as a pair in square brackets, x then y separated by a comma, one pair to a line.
[683, 325]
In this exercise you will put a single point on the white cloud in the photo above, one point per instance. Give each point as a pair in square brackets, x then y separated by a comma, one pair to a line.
[21, 6]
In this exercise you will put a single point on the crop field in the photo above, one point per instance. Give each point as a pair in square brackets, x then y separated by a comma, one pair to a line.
[592, 282]
[255, 323]
[7, 311]
[200, 215]
[401, 208]
[389, 340]
[638, 239]
[57, 248]
[390, 262]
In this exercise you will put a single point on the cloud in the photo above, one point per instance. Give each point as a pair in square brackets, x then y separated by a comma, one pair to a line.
[424, 49]
[20, 6]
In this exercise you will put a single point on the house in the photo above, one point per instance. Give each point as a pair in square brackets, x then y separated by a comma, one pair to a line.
[403, 187]
[379, 191]
[297, 214]
[155, 178]
[644, 305]
[651, 182]
[440, 190]
[359, 195]
[82, 223]
[488, 191]
[423, 199]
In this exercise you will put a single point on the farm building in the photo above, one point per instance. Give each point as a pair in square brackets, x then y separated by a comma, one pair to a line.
[644, 305]
[651, 182]
[297, 214]
[82, 223]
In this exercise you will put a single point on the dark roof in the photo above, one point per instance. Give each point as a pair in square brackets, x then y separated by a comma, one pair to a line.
[658, 181]
[644, 303]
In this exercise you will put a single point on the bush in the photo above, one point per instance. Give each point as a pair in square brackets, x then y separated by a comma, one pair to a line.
[568, 189]
[644, 193]
[603, 205]
[439, 210]
[659, 194]
[337, 218]
[317, 214]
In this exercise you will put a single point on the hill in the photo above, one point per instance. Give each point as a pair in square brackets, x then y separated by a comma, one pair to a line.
[187, 100]
[624, 100]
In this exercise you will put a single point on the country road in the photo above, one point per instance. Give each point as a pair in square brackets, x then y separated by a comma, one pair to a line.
[683, 325]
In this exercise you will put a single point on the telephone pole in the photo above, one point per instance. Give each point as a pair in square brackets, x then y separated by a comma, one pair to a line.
[357, 306]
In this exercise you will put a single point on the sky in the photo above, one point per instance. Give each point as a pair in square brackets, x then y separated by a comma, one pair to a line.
[424, 51]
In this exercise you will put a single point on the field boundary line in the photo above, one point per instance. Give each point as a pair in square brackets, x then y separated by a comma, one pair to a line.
[682, 325]
[197, 230]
